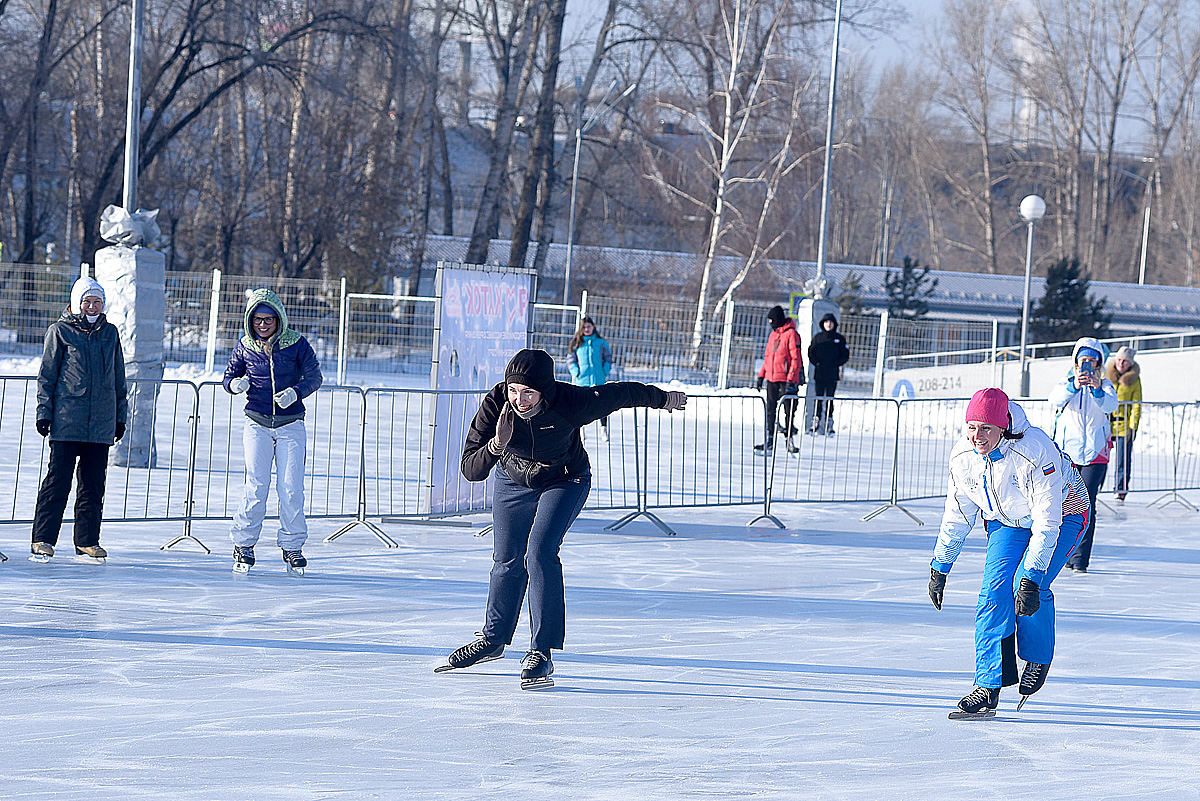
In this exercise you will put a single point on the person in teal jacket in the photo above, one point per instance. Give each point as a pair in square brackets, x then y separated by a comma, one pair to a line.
[590, 360]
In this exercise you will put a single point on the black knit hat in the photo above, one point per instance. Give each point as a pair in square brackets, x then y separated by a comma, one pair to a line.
[533, 368]
[777, 316]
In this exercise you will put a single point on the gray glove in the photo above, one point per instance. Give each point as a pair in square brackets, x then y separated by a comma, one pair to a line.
[286, 397]
[239, 385]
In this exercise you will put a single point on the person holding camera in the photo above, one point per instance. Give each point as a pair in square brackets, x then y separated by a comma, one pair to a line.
[782, 372]
[1084, 401]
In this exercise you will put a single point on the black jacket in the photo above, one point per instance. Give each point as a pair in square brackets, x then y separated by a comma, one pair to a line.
[827, 352]
[546, 448]
[81, 381]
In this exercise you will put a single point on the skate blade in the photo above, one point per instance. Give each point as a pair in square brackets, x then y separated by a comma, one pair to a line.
[544, 683]
[295, 571]
[1021, 703]
[84, 559]
[958, 714]
[448, 668]
[241, 568]
[41, 559]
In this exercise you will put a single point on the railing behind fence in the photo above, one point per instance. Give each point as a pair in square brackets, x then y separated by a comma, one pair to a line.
[392, 453]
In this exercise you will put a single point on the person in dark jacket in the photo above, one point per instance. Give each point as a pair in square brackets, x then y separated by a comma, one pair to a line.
[783, 372]
[827, 353]
[277, 369]
[529, 425]
[81, 407]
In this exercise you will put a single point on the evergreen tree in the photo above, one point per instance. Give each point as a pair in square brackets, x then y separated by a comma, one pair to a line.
[908, 289]
[849, 294]
[1067, 312]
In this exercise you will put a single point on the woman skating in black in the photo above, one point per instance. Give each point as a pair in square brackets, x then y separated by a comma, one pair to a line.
[529, 425]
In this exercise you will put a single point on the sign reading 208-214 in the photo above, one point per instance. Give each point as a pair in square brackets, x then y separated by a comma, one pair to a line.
[924, 386]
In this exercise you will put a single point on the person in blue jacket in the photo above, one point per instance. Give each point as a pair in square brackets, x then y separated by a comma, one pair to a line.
[277, 369]
[590, 360]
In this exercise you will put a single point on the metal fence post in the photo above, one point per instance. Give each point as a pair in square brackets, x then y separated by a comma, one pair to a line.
[880, 353]
[995, 344]
[214, 306]
[361, 518]
[582, 308]
[726, 344]
[1176, 431]
[769, 470]
[641, 479]
[189, 501]
[894, 503]
[343, 315]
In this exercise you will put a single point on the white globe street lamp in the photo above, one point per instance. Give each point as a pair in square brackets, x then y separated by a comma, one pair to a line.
[1033, 208]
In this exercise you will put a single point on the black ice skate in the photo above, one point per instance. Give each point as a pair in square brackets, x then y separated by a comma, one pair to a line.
[295, 562]
[764, 450]
[1032, 679]
[538, 667]
[979, 704]
[473, 653]
[243, 558]
[42, 551]
[3, 558]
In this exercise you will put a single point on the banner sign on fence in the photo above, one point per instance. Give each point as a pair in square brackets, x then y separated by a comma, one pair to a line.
[482, 319]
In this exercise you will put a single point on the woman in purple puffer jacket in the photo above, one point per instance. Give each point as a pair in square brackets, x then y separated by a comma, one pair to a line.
[277, 369]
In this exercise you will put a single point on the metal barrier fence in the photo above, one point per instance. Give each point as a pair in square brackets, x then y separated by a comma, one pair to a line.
[394, 454]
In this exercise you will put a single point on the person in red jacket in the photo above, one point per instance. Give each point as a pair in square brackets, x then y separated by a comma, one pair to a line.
[783, 373]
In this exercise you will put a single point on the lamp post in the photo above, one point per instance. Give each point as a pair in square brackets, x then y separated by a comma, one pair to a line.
[818, 290]
[133, 107]
[1033, 208]
[581, 128]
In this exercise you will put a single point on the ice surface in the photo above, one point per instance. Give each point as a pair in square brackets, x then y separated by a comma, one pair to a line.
[725, 662]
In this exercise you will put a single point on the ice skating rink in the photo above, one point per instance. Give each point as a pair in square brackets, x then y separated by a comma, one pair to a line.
[723, 663]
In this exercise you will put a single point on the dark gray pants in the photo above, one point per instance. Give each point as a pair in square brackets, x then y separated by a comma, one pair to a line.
[1093, 477]
[92, 459]
[528, 529]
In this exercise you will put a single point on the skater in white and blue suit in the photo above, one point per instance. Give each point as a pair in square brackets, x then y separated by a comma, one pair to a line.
[1035, 507]
[277, 369]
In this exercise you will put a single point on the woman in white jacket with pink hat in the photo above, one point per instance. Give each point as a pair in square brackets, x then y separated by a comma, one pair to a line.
[1034, 507]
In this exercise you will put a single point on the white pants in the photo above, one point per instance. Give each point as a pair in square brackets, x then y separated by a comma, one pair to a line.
[285, 446]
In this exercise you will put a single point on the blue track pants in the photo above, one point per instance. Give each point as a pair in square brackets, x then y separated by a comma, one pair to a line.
[996, 618]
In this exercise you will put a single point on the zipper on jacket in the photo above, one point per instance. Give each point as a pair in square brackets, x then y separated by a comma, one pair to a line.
[270, 343]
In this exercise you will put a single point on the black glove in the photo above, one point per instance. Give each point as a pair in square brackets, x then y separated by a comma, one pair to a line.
[790, 389]
[43, 427]
[803, 380]
[937, 587]
[1028, 597]
[758, 382]
[120, 430]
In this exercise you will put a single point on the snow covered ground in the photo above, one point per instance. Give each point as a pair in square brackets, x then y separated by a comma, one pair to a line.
[725, 662]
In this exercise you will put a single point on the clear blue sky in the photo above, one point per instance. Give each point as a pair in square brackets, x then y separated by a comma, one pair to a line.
[583, 17]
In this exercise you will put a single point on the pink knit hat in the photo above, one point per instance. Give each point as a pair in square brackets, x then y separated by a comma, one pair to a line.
[989, 406]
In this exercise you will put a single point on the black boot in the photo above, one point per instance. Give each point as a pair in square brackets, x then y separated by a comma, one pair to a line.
[243, 558]
[481, 650]
[980, 702]
[538, 667]
[1032, 679]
